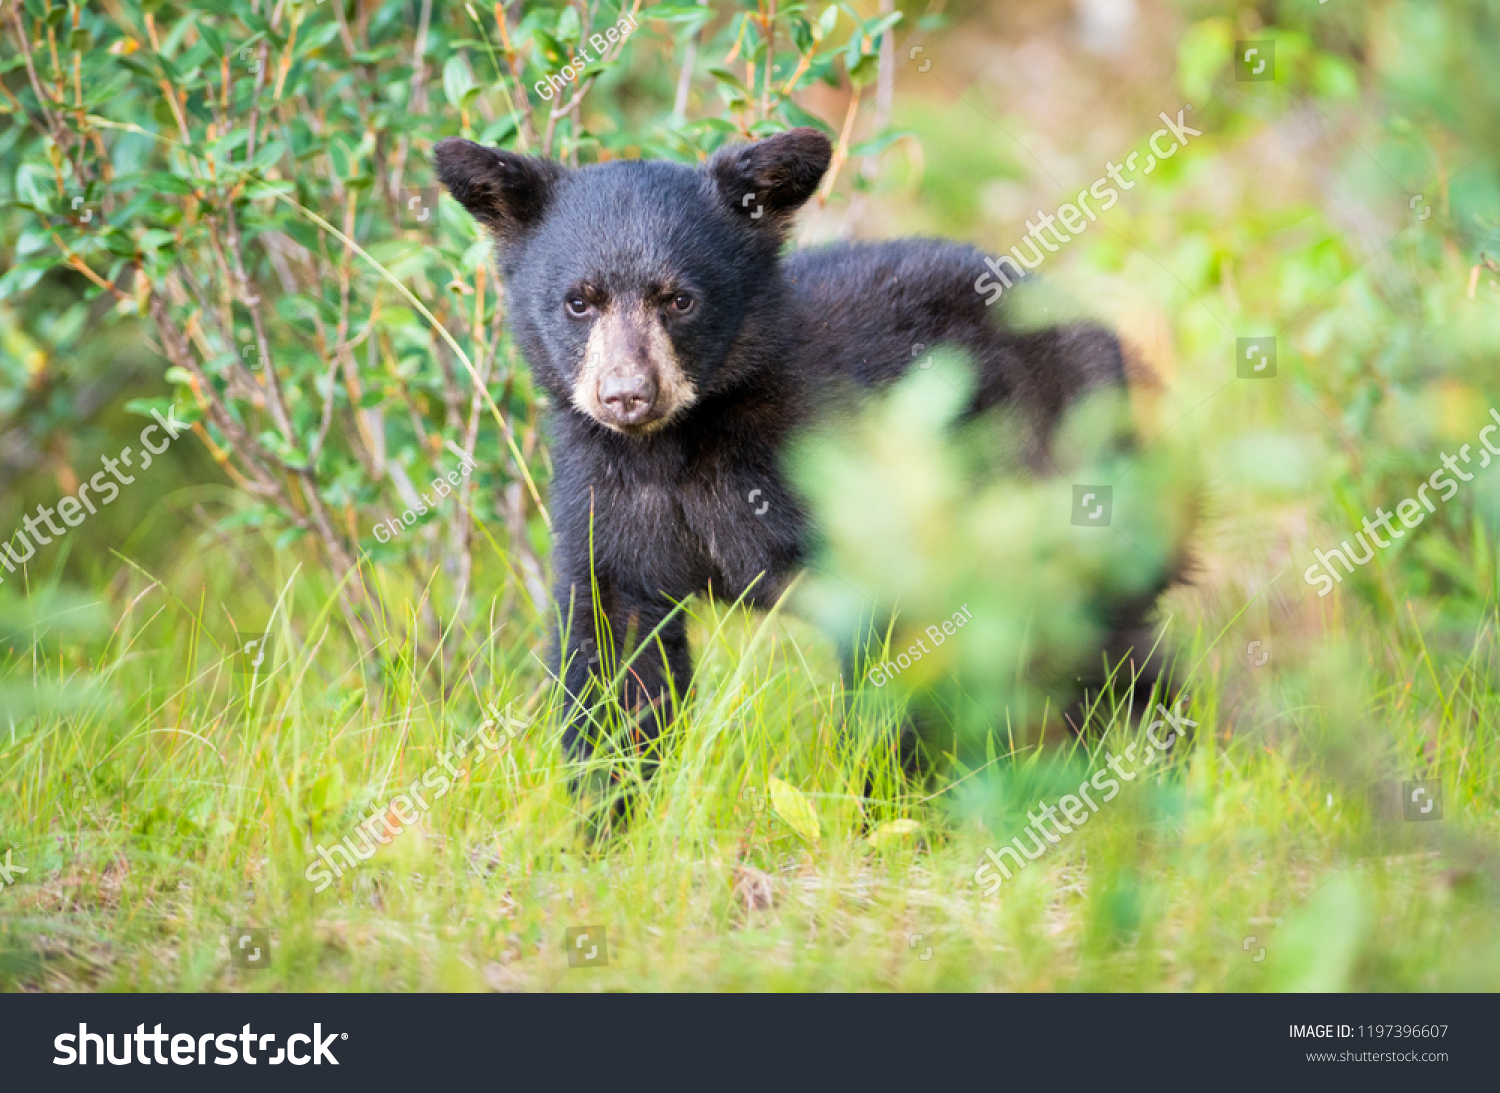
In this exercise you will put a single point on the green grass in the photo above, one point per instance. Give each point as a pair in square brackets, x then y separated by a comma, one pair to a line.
[158, 801]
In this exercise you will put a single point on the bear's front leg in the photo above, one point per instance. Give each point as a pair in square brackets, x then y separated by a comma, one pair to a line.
[625, 664]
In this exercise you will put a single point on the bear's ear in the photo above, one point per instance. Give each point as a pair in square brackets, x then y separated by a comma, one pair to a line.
[505, 192]
[766, 181]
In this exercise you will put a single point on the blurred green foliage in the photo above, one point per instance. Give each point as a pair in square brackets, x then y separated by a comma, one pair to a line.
[245, 191]
[1378, 281]
[923, 522]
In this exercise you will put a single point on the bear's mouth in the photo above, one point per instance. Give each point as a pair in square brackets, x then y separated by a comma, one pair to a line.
[653, 422]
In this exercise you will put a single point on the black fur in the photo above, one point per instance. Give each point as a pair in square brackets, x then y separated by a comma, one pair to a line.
[771, 344]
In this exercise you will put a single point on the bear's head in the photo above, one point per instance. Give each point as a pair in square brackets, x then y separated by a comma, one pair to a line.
[629, 283]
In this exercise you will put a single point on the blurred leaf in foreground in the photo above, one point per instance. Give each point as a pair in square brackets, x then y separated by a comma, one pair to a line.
[989, 597]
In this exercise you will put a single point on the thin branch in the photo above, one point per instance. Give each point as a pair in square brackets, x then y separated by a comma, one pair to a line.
[275, 403]
[36, 83]
[528, 128]
[841, 150]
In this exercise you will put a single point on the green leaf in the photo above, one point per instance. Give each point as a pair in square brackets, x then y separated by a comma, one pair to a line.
[730, 80]
[268, 156]
[500, 130]
[258, 23]
[568, 27]
[828, 20]
[289, 536]
[880, 26]
[697, 130]
[794, 809]
[893, 834]
[556, 56]
[117, 242]
[155, 239]
[21, 277]
[796, 116]
[691, 15]
[863, 70]
[877, 144]
[319, 38]
[142, 407]
[802, 34]
[210, 38]
[33, 186]
[165, 181]
[457, 80]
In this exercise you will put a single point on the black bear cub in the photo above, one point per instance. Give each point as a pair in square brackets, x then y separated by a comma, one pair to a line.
[682, 351]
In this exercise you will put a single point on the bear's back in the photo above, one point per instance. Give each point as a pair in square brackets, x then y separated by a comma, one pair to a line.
[869, 310]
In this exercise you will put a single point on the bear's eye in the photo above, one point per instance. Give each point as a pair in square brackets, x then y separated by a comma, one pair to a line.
[577, 305]
[682, 302]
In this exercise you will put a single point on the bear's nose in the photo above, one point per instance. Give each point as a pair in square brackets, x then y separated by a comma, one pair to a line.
[627, 396]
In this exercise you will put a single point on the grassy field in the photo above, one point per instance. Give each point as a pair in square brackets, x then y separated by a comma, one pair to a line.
[162, 796]
[166, 802]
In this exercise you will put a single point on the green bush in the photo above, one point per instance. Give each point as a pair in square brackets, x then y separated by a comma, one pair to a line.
[250, 188]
